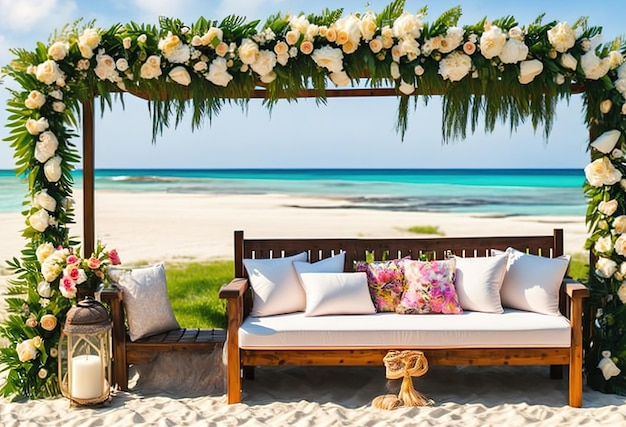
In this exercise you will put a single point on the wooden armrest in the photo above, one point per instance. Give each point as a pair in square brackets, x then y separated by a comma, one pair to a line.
[575, 289]
[235, 289]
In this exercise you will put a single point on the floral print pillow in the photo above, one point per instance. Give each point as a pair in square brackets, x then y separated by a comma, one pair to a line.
[429, 288]
[385, 281]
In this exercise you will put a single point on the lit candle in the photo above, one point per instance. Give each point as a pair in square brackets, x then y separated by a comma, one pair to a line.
[86, 377]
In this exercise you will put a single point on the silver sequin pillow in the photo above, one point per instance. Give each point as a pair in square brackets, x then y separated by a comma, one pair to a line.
[147, 305]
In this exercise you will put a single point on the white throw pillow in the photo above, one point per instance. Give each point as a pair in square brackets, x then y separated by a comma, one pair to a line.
[275, 285]
[336, 293]
[333, 264]
[532, 282]
[478, 282]
[147, 305]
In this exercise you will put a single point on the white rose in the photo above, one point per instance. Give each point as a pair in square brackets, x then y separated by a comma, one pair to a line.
[328, 57]
[406, 88]
[603, 245]
[516, 33]
[200, 66]
[48, 72]
[529, 70]
[26, 350]
[90, 38]
[407, 25]
[213, 33]
[58, 106]
[605, 106]
[151, 68]
[605, 267]
[513, 52]
[52, 169]
[492, 41]
[452, 40]
[46, 146]
[39, 220]
[594, 67]
[218, 72]
[35, 127]
[58, 50]
[562, 37]
[265, 62]
[180, 75]
[608, 208]
[248, 51]
[455, 66]
[621, 293]
[620, 245]
[368, 26]
[44, 289]
[269, 77]
[46, 201]
[602, 172]
[174, 50]
[568, 61]
[419, 70]
[35, 100]
[50, 271]
[105, 68]
[43, 251]
[559, 79]
[619, 224]
[340, 78]
[409, 48]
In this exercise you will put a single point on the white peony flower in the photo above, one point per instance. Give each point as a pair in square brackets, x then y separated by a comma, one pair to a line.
[43, 251]
[52, 169]
[368, 26]
[88, 41]
[180, 75]
[218, 72]
[562, 37]
[48, 72]
[248, 51]
[452, 40]
[328, 57]
[602, 172]
[529, 70]
[39, 220]
[455, 66]
[264, 63]
[492, 41]
[46, 146]
[513, 52]
[407, 25]
[605, 267]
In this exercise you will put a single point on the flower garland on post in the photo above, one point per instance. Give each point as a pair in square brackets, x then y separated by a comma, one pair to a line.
[496, 70]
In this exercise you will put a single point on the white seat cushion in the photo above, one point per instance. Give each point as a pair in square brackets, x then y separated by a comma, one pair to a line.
[513, 328]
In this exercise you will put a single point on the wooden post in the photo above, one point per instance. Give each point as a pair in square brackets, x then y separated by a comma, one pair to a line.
[88, 179]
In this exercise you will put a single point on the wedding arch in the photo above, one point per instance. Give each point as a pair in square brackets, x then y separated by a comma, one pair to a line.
[486, 73]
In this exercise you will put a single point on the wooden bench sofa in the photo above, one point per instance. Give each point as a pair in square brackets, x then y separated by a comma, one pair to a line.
[239, 301]
[127, 352]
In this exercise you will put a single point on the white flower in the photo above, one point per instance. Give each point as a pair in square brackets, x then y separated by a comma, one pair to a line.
[264, 63]
[605, 267]
[151, 68]
[419, 70]
[513, 52]
[607, 141]
[142, 38]
[406, 88]
[602, 172]
[127, 42]
[603, 245]
[368, 26]
[44, 200]
[409, 48]
[58, 50]
[516, 33]
[174, 50]
[35, 100]
[218, 72]
[619, 225]
[213, 33]
[562, 37]
[248, 51]
[328, 57]
[605, 106]
[52, 169]
[26, 350]
[35, 127]
[529, 70]
[568, 61]
[46, 146]
[452, 40]
[407, 25]
[492, 41]
[376, 45]
[620, 245]
[455, 66]
[39, 220]
[608, 208]
[339, 78]
[88, 41]
[621, 293]
[43, 251]
[348, 33]
[594, 67]
[58, 106]
[49, 72]
[44, 289]
[180, 75]
[394, 70]
[269, 77]
[105, 68]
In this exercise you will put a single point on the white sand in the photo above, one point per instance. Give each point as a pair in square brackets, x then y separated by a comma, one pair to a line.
[148, 227]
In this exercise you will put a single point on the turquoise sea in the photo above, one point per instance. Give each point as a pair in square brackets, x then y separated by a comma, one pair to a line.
[493, 191]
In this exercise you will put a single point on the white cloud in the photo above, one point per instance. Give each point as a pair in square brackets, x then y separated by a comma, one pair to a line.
[25, 15]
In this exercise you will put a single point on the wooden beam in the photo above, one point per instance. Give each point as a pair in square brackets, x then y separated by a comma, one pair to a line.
[89, 231]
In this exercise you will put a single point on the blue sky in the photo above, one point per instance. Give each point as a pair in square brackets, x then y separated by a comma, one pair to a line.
[348, 133]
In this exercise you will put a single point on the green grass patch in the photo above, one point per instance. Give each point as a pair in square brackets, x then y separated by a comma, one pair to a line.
[193, 290]
[579, 267]
[426, 229]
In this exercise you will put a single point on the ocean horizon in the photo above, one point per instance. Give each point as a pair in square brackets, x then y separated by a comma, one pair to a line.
[503, 192]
